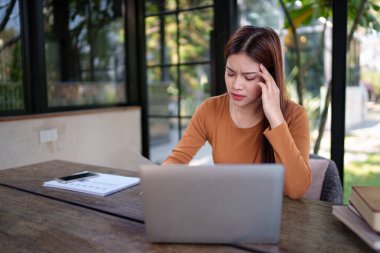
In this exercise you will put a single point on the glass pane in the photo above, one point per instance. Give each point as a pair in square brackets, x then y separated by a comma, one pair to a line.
[163, 135]
[162, 91]
[161, 40]
[362, 139]
[158, 6]
[84, 50]
[315, 79]
[195, 28]
[185, 4]
[153, 43]
[195, 87]
[170, 42]
[11, 86]
[260, 13]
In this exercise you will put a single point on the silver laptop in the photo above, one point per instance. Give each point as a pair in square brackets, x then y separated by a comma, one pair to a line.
[213, 203]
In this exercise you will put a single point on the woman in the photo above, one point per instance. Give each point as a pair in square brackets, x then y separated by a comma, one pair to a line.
[253, 122]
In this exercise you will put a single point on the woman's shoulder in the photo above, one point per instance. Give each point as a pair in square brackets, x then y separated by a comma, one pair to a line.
[211, 110]
[292, 105]
[294, 110]
[215, 102]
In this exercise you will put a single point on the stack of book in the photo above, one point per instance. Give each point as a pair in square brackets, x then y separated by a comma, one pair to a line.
[362, 215]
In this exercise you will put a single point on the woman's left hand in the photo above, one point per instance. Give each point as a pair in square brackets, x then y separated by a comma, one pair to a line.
[270, 98]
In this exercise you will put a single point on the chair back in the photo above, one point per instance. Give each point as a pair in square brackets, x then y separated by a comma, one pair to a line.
[325, 183]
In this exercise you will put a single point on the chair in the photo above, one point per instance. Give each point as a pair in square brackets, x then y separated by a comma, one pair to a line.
[325, 184]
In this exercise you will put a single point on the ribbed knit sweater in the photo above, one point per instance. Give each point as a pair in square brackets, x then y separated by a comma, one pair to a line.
[212, 122]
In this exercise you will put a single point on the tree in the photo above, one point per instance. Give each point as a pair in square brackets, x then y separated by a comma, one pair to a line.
[305, 13]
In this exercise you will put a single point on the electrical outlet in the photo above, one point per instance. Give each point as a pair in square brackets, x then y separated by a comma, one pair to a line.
[48, 135]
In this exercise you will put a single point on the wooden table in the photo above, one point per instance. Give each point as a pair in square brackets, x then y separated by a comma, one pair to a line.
[38, 219]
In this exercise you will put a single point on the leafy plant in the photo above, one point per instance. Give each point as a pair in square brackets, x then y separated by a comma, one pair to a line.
[361, 13]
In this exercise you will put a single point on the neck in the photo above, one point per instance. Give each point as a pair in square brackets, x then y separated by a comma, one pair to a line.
[247, 116]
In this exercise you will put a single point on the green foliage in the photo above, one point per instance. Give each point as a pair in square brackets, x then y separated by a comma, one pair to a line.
[194, 40]
[16, 67]
[366, 173]
[372, 77]
[186, 43]
[308, 13]
[375, 6]
[311, 10]
[11, 89]
[370, 18]
[11, 96]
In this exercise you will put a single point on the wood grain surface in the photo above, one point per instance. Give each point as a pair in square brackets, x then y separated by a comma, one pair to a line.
[31, 223]
[307, 226]
[30, 178]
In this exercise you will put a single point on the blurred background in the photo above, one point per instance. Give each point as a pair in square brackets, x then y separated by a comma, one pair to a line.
[166, 57]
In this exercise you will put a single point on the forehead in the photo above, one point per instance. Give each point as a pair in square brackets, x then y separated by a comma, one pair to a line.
[242, 62]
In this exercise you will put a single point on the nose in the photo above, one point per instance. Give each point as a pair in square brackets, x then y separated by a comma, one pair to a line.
[237, 83]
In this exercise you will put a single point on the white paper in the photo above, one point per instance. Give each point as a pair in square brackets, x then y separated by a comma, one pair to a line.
[102, 185]
[357, 225]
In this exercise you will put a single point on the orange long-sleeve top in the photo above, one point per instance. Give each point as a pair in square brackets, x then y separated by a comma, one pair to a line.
[290, 141]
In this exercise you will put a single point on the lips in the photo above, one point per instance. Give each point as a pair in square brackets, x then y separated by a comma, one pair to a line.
[237, 97]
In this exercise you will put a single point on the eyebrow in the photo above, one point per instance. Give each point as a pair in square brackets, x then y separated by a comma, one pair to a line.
[244, 73]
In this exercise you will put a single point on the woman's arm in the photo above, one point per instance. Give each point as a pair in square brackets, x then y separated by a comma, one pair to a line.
[291, 145]
[192, 140]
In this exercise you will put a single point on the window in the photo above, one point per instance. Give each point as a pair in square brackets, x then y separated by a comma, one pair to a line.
[11, 72]
[84, 52]
[178, 65]
[65, 55]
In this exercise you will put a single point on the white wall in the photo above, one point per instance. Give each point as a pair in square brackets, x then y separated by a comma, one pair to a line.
[356, 106]
[109, 137]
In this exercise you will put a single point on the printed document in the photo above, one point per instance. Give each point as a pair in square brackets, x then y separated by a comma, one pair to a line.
[102, 185]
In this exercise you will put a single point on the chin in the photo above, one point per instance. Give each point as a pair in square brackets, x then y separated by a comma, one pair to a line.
[251, 103]
[241, 103]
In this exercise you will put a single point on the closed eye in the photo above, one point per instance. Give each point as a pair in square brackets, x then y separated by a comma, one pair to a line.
[250, 78]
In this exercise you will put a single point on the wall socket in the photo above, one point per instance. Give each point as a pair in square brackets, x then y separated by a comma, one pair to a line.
[48, 135]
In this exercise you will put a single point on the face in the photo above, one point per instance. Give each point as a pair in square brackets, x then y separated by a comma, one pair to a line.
[242, 80]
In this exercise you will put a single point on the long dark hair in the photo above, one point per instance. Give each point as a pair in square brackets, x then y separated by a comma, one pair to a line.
[262, 45]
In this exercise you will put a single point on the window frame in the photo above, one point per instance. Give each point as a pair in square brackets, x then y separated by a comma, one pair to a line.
[178, 117]
[33, 61]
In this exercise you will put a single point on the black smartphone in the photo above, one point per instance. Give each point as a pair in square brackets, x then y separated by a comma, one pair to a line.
[76, 177]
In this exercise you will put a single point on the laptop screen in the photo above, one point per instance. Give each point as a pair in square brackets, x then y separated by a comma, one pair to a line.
[212, 204]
